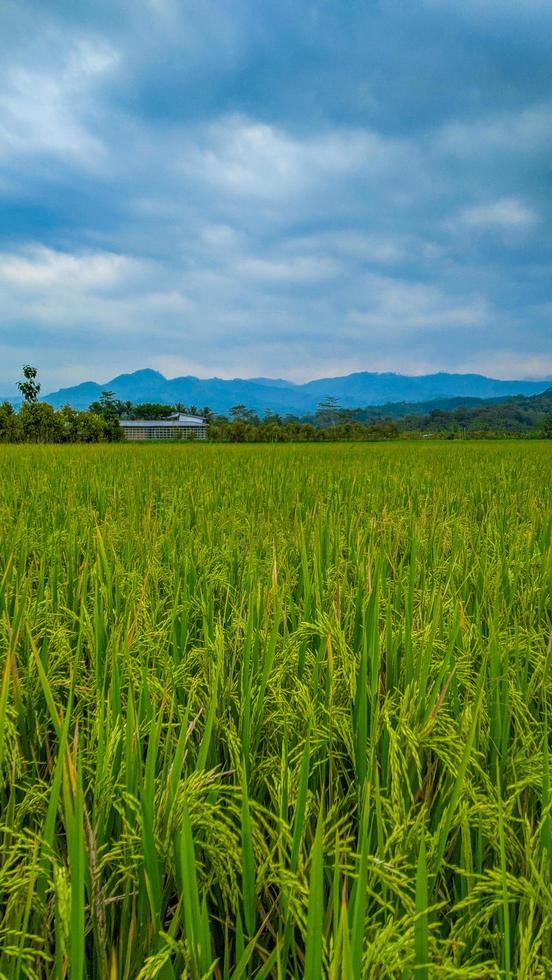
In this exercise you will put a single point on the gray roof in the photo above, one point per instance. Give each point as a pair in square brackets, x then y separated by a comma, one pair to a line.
[183, 421]
[182, 417]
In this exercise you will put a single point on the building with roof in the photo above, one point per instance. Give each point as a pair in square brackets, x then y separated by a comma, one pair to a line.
[176, 426]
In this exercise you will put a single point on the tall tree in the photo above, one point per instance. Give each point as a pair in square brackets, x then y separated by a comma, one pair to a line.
[240, 413]
[328, 411]
[107, 406]
[237, 411]
[110, 409]
[30, 387]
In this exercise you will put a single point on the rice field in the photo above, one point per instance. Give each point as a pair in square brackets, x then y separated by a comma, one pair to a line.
[276, 711]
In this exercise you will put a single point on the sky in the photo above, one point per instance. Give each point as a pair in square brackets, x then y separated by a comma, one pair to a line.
[291, 189]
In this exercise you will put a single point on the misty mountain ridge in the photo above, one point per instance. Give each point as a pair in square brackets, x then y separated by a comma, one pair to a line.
[355, 390]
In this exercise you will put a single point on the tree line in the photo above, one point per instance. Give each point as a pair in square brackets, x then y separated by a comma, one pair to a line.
[37, 421]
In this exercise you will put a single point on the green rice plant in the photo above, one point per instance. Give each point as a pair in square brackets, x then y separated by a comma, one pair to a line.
[276, 711]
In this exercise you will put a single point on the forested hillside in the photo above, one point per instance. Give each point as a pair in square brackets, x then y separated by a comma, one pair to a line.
[519, 414]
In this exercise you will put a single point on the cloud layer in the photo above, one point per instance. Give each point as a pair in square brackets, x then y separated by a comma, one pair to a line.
[232, 188]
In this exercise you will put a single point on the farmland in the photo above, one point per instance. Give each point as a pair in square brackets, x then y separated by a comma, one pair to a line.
[273, 711]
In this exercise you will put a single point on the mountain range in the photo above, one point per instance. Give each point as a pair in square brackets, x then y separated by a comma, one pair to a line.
[278, 395]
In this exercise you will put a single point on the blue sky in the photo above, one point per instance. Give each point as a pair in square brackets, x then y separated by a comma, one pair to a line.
[298, 189]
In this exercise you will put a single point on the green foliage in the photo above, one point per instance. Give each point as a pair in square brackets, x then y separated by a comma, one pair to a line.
[10, 425]
[39, 422]
[246, 427]
[148, 410]
[460, 416]
[29, 387]
[241, 413]
[85, 426]
[329, 412]
[109, 407]
[500, 416]
[110, 410]
[275, 711]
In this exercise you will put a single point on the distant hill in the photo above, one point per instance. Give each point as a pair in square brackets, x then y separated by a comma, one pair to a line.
[277, 395]
[398, 410]
[517, 414]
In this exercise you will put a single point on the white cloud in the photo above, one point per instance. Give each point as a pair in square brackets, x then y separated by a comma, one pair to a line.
[363, 247]
[515, 133]
[224, 237]
[39, 268]
[506, 363]
[44, 111]
[88, 294]
[244, 157]
[505, 213]
[395, 306]
[296, 270]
